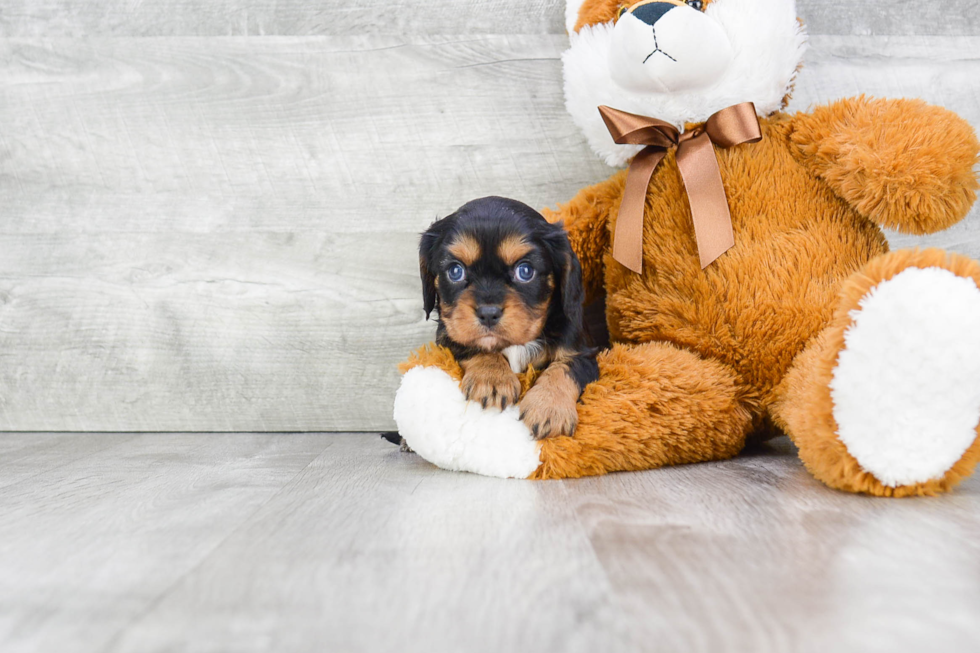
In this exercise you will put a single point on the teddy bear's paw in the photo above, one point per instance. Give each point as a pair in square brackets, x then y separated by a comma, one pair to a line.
[442, 427]
[906, 387]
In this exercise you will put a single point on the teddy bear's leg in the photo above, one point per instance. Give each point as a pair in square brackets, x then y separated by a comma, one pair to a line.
[654, 405]
[886, 399]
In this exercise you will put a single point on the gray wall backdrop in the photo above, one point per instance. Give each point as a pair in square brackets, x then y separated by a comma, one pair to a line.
[210, 209]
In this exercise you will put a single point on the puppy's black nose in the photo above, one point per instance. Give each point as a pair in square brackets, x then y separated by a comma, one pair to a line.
[652, 12]
[489, 315]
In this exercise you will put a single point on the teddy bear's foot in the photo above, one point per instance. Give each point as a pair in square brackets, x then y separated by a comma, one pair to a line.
[886, 400]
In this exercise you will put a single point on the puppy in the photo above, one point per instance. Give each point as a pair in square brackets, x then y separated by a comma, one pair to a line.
[507, 290]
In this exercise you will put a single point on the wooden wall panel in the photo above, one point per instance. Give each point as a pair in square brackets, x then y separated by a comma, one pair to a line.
[346, 134]
[894, 17]
[263, 331]
[219, 233]
[50, 18]
[281, 18]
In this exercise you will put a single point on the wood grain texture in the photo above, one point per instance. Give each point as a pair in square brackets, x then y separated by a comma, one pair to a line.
[896, 17]
[126, 522]
[159, 332]
[768, 559]
[228, 542]
[221, 234]
[355, 135]
[26, 456]
[218, 234]
[76, 18]
[281, 18]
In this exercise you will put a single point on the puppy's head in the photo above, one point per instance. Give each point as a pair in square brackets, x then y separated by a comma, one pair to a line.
[499, 275]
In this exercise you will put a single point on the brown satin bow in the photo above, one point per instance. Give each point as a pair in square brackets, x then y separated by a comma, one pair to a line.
[698, 165]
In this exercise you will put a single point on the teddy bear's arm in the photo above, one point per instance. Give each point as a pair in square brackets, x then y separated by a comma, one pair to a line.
[903, 164]
[586, 219]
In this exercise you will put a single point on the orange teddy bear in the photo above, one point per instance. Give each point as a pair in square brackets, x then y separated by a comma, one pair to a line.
[749, 289]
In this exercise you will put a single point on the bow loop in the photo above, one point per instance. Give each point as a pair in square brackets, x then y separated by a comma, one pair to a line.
[698, 166]
[631, 129]
[733, 126]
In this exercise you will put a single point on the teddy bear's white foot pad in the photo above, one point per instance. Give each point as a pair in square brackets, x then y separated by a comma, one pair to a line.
[906, 389]
[441, 426]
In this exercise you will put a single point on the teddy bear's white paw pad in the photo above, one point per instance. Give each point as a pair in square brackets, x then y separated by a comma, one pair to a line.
[906, 389]
[441, 426]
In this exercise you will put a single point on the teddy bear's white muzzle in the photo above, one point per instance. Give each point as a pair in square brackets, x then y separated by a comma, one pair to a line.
[683, 49]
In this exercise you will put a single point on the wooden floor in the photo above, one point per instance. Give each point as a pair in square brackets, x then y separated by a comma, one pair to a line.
[335, 543]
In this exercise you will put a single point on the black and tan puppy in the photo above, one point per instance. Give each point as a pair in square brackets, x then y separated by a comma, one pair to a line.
[508, 292]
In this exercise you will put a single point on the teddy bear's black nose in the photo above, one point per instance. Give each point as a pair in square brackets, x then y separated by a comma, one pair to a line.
[652, 12]
[489, 315]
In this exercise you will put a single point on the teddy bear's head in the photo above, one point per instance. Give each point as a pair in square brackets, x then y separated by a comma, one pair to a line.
[677, 60]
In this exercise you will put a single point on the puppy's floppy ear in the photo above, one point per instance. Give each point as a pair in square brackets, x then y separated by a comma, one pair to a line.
[568, 275]
[429, 247]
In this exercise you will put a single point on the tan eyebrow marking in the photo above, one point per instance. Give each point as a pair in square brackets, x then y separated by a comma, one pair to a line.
[465, 248]
[512, 249]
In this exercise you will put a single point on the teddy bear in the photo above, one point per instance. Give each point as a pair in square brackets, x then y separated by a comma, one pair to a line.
[749, 289]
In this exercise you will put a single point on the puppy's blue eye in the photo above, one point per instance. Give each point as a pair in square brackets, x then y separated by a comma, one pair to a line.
[524, 272]
[456, 273]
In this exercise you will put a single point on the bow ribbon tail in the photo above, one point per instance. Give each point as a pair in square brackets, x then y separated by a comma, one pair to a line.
[698, 165]
[628, 240]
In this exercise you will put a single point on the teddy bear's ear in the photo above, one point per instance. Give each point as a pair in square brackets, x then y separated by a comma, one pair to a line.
[579, 13]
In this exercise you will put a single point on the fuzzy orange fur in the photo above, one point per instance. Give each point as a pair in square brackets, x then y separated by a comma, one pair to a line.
[757, 305]
[432, 355]
[902, 164]
[653, 405]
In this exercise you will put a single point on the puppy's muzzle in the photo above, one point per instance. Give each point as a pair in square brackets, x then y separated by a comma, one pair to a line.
[489, 315]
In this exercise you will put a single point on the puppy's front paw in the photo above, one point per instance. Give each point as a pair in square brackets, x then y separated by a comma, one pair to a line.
[491, 382]
[547, 413]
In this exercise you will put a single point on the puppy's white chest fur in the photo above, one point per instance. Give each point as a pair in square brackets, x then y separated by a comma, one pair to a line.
[520, 356]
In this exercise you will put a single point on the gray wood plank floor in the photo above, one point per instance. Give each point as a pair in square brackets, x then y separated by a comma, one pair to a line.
[320, 542]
